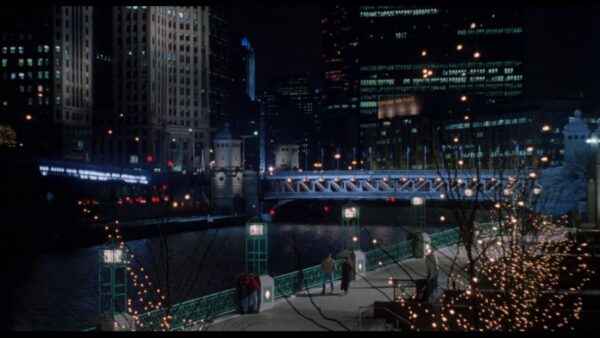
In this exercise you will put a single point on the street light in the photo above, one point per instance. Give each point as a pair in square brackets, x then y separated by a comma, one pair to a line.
[418, 210]
[350, 225]
[337, 158]
[112, 278]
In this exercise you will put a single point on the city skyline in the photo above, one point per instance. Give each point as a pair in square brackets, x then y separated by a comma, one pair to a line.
[337, 167]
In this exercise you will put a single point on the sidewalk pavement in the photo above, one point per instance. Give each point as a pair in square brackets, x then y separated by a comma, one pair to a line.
[343, 308]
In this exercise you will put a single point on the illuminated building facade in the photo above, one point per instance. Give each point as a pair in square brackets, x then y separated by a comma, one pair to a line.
[47, 79]
[449, 61]
[160, 89]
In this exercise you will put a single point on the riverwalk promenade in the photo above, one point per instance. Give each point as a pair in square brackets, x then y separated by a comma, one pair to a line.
[308, 310]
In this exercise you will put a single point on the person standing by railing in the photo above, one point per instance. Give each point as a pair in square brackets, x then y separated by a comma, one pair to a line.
[328, 266]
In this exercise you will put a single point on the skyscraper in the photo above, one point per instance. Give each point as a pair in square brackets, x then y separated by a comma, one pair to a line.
[340, 39]
[432, 62]
[249, 68]
[290, 98]
[47, 79]
[219, 51]
[161, 88]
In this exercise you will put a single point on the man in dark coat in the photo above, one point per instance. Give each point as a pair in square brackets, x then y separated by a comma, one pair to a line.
[346, 274]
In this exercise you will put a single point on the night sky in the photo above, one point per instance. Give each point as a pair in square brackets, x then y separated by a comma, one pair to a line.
[561, 45]
[286, 39]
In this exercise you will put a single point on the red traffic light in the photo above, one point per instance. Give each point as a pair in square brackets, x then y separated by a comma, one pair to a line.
[326, 208]
[149, 158]
[170, 164]
[272, 212]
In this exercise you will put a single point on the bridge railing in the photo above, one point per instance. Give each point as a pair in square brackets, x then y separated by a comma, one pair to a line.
[225, 302]
[278, 175]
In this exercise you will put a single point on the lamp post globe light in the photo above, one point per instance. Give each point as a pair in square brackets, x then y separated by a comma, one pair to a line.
[350, 226]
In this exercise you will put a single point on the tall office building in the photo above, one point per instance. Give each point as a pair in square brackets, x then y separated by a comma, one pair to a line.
[219, 60]
[47, 79]
[160, 89]
[249, 68]
[340, 39]
[431, 63]
[292, 114]
[243, 110]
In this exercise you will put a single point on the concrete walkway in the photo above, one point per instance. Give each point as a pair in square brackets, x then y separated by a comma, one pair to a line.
[344, 308]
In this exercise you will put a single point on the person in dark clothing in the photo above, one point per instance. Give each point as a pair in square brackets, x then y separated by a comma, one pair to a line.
[346, 274]
[242, 293]
[253, 293]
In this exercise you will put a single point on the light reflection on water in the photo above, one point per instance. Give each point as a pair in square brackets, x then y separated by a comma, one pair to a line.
[59, 291]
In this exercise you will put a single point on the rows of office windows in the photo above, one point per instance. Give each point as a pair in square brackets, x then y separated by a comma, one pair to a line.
[25, 75]
[390, 11]
[21, 49]
[28, 62]
[489, 123]
[490, 31]
[442, 66]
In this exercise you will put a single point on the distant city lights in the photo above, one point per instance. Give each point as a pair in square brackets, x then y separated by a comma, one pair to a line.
[92, 175]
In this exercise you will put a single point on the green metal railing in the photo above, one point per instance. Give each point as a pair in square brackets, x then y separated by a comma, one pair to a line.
[192, 311]
[225, 302]
[377, 257]
[292, 282]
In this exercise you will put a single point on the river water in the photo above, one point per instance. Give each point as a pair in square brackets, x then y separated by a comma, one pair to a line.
[59, 291]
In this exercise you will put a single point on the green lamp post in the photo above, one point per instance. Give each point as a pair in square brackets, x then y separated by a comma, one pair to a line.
[418, 210]
[112, 278]
[256, 241]
[350, 226]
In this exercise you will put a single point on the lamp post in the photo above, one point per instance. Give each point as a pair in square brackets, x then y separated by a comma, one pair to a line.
[418, 210]
[257, 258]
[337, 158]
[112, 278]
[256, 246]
[350, 226]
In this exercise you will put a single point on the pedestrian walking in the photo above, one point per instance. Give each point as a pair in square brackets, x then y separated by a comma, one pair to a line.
[328, 267]
[346, 274]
